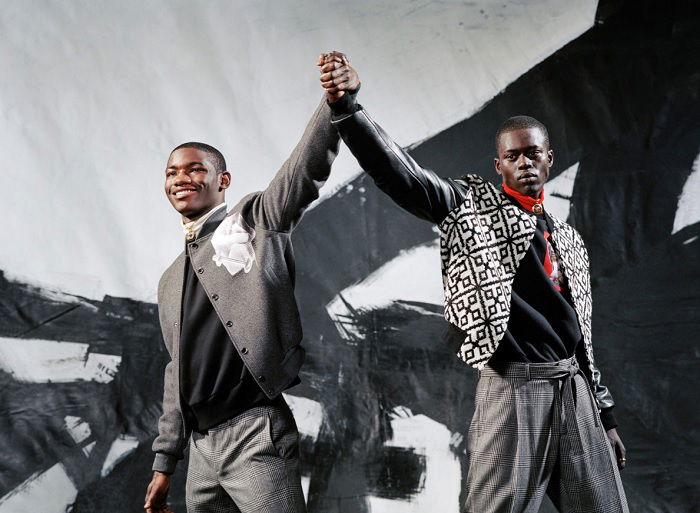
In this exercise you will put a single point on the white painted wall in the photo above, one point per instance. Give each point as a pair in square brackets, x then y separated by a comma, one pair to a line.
[48, 361]
[96, 93]
[51, 491]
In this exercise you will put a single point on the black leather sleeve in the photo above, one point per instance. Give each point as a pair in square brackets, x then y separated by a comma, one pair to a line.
[416, 189]
[602, 394]
[604, 399]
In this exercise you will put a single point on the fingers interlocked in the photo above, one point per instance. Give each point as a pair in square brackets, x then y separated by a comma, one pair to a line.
[337, 76]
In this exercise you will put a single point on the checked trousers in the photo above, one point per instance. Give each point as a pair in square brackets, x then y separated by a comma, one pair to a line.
[248, 464]
[536, 430]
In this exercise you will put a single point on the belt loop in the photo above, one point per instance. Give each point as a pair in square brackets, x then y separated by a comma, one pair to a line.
[527, 372]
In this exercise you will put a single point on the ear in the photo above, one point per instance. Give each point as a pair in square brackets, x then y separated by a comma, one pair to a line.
[550, 157]
[224, 180]
[497, 165]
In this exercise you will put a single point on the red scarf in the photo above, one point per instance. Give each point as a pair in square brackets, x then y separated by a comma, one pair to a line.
[526, 202]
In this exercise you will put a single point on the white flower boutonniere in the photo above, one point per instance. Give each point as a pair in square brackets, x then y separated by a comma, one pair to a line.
[232, 245]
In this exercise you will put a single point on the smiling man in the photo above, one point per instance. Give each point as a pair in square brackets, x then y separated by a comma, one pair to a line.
[195, 179]
[231, 327]
[518, 302]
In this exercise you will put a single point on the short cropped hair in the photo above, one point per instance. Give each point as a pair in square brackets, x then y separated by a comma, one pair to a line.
[518, 123]
[217, 158]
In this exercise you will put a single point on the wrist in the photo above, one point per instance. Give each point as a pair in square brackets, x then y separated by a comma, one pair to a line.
[335, 98]
[608, 419]
[161, 478]
[346, 104]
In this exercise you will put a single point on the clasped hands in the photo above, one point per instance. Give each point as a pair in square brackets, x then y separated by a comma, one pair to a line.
[337, 76]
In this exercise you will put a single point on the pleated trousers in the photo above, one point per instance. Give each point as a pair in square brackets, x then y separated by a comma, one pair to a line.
[536, 429]
[248, 464]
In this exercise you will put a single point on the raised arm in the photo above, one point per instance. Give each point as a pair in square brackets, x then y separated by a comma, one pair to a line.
[418, 190]
[296, 184]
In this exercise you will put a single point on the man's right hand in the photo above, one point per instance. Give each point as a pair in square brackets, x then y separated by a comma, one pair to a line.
[157, 494]
[337, 76]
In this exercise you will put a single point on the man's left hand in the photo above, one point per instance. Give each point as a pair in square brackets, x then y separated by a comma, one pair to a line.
[618, 447]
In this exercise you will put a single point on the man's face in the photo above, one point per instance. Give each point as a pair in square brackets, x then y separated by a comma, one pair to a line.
[192, 184]
[523, 161]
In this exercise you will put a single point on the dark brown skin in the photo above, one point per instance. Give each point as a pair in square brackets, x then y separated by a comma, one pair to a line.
[192, 184]
[193, 187]
[157, 494]
[523, 161]
[618, 447]
[337, 76]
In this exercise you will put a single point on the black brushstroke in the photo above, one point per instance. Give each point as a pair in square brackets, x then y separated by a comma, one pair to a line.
[397, 473]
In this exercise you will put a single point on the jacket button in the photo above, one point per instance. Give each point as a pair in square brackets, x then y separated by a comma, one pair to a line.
[200, 270]
[229, 323]
[215, 297]
[194, 246]
[244, 350]
[270, 391]
[176, 324]
[261, 379]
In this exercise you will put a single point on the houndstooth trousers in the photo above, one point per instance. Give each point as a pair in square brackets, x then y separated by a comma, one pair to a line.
[536, 430]
[248, 464]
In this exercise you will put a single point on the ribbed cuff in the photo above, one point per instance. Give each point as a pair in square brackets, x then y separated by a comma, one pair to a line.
[607, 417]
[164, 463]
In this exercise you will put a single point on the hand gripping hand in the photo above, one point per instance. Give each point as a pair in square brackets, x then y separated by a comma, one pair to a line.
[337, 76]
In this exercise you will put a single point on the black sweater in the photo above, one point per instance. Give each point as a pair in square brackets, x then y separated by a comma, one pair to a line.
[214, 383]
[543, 326]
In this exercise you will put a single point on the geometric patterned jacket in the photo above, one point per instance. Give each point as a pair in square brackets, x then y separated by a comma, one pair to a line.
[482, 243]
[483, 237]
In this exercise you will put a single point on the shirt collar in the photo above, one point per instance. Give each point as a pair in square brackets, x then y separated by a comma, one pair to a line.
[528, 203]
[193, 228]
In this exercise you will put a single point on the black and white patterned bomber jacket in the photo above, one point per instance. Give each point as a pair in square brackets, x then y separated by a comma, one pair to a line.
[483, 237]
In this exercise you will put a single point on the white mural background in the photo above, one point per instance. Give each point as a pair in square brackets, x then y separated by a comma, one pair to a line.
[96, 94]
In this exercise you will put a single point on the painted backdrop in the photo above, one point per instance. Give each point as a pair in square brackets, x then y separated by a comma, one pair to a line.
[94, 96]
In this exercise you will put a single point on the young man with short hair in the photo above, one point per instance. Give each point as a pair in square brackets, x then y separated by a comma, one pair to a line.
[518, 302]
[232, 329]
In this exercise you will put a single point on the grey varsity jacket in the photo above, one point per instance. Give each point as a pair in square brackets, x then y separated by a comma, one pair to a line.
[257, 308]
